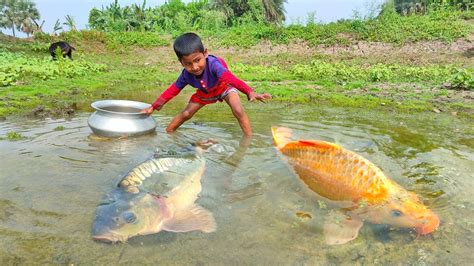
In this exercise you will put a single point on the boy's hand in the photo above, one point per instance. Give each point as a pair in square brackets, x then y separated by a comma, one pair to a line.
[259, 96]
[148, 110]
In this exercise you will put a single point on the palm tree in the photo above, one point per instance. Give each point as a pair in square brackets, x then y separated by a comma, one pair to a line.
[8, 14]
[5, 20]
[38, 27]
[274, 10]
[18, 14]
[231, 8]
[29, 14]
[70, 23]
[27, 27]
[57, 27]
[97, 19]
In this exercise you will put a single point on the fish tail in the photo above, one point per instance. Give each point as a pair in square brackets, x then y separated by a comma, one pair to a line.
[281, 136]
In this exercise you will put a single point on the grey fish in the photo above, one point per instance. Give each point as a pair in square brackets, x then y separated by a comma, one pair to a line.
[132, 210]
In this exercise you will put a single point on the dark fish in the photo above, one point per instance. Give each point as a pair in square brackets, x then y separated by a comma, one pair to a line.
[131, 210]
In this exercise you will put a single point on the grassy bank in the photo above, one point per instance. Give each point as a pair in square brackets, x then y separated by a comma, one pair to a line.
[349, 63]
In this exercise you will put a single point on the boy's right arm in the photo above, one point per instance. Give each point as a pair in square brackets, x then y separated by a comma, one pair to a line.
[164, 97]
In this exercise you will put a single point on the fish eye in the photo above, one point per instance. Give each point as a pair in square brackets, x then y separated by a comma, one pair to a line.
[129, 217]
[397, 213]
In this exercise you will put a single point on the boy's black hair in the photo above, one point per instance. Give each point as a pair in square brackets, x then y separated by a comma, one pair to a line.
[187, 44]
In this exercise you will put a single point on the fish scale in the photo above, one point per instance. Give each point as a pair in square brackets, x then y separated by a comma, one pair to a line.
[137, 175]
[356, 173]
[344, 177]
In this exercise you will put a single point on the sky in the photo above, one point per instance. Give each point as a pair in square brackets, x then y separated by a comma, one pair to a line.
[296, 10]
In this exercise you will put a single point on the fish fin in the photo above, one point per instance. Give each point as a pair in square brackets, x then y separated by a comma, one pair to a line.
[281, 136]
[320, 144]
[340, 229]
[195, 218]
[186, 193]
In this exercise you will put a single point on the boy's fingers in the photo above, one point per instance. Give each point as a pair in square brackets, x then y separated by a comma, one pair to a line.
[147, 111]
[265, 96]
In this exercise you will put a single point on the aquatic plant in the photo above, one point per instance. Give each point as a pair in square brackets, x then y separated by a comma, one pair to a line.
[13, 136]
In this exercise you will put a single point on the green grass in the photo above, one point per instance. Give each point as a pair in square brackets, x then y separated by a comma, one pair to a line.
[444, 24]
[17, 66]
[330, 83]
[112, 65]
[343, 73]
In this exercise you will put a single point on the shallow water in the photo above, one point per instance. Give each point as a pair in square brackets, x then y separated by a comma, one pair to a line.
[52, 181]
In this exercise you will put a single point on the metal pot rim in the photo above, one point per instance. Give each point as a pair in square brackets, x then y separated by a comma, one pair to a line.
[98, 105]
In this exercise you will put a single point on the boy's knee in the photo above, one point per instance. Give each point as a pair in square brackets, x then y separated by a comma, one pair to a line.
[239, 112]
[186, 115]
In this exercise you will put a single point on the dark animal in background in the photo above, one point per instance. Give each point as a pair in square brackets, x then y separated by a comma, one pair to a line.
[469, 53]
[66, 49]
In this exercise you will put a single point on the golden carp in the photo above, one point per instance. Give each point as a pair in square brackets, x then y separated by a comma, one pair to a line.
[352, 182]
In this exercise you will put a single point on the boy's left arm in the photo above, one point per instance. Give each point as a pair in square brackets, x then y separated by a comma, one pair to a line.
[259, 96]
[229, 78]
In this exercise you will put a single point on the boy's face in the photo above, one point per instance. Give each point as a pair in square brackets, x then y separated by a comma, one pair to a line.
[195, 63]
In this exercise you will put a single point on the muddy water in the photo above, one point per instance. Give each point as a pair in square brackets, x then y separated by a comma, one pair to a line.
[52, 181]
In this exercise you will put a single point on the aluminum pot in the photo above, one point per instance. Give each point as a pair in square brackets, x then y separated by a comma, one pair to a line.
[118, 118]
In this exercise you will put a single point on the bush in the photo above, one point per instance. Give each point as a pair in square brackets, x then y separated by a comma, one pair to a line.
[390, 27]
[462, 79]
[15, 66]
[116, 40]
[440, 24]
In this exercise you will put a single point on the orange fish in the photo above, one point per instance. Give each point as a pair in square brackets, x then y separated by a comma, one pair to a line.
[350, 181]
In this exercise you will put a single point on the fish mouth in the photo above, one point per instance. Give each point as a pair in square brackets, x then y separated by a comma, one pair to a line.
[109, 237]
[103, 239]
[429, 226]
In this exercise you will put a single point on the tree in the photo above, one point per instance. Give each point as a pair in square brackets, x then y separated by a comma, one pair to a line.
[70, 23]
[460, 4]
[409, 7]
[39, 27]
[18, 14]
[97, 19]
[28, 18]
[272, 10]
[57, 27]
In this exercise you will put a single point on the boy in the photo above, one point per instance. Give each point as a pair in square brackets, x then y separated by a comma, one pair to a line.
[212, 79]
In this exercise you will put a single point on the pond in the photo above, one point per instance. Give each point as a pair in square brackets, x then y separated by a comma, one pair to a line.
[53, 180]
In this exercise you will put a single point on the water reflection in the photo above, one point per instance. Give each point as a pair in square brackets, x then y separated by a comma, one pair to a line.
[53, 180]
